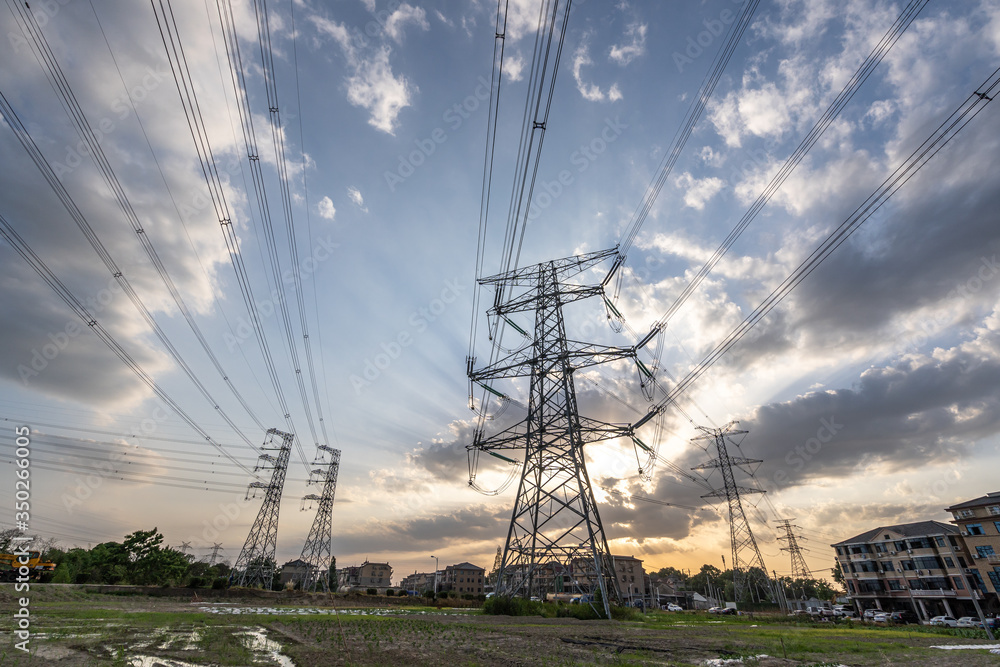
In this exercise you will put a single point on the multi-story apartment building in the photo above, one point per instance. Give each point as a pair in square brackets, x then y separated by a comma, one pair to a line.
[463, 578]
[979, 523]
[366, 575]
[418, 581]
[631, 577]
[916, 566]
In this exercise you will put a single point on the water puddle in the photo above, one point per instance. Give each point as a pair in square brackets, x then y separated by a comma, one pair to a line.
[324, 611]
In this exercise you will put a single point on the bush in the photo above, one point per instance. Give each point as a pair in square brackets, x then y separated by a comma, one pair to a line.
[429, 594]
[444, 595]
[481, 597]
[196, 582]
[507, 606]
[220, 583]
[467, 596]
[371, 591]
[390, 592]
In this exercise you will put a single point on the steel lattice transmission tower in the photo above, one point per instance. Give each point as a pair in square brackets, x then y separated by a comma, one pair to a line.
[749, 573]
[317, 550]
[799, 568]
[555, 540]
[255, 565]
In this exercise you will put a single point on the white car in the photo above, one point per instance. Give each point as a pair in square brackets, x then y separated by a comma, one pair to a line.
[674, 607]
[968, 622]
[944, 621]
[880, 617]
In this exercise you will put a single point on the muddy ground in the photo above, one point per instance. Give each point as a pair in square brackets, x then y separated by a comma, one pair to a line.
[72, 627]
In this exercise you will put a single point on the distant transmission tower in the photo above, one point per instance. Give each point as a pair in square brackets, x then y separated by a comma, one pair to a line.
[749, 574]
[799, 568]
[316, 552]
[255, 566]
[215, 553]
[555, 541]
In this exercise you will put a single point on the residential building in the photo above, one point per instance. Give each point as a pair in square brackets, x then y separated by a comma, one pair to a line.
[463, 578]
[366, 575]
[292, 569]
[979, 523]
[418, 581]
[912, 566]
[631, 578]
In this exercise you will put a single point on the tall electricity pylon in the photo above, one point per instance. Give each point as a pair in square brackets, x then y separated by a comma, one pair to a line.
[555, 540]
[749, 574]
[317, 550]
[255, 566]
[215, 553]
[799, 568]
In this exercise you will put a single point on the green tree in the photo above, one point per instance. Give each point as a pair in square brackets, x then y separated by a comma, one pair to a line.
[672, 572]
[151, 564]
[837, 573]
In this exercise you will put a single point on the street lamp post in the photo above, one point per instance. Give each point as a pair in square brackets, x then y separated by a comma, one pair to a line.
[436, 564]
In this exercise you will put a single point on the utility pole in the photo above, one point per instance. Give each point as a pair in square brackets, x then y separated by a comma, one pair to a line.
[555, 528]
[799, 568]
[317, 551]
[749, 572]
[255, 566]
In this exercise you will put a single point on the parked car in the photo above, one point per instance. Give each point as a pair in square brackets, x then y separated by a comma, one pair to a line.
[903, 617]
[880, 617]
[869, 614]
[799, 612]
[944, 621]
[968, 622]
[674, 607]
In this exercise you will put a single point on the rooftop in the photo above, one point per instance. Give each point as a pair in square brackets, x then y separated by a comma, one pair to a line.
[989, 499]
[917, 529]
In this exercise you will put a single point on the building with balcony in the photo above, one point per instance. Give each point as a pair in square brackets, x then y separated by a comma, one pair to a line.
[631, 578]
[978, 520]
[922, 567]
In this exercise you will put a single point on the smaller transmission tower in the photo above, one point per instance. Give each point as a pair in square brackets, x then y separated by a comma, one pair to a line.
[799, 568]
[255, 566]
[316, 552]
[215, 553]
[749, 574]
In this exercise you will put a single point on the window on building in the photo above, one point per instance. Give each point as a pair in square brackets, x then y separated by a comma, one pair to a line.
[927, 563]
[895, 585]
[995, 578]
[948, 561]
[939, 540]
[997, 525]
[994, 510]
[899, 546]
[966, 514]
[959, 586]
[908, 565]
[974, 528]
[961, 561]
[984, 551]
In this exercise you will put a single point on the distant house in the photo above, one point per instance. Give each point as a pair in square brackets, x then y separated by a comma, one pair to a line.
[418, 581]
[463, 578]
[366, 575]
[631, 577]
[293, 569]
[979, 521]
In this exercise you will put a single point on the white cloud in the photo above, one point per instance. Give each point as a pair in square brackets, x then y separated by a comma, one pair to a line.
[623, 54]
[357, 198]
[326, 209]
[369, 5]
[372, 84]
[698, 191]
[590, 91]
[880, 110]
[513, 67]
[374, 87]
[405, 14]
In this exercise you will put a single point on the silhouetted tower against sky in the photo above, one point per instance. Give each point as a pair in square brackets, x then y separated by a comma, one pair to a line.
[555, 541]
[255, 566]
[316, 552]
[215, 553]
[799, 568]
[749, 574]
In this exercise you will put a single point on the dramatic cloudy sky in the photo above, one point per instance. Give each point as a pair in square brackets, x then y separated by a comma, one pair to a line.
[871, 393]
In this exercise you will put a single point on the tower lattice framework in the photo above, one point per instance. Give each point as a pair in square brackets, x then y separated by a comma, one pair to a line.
[799, 568]
[316, 552]
[555, 541]
[749, 572]
[255, 566]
